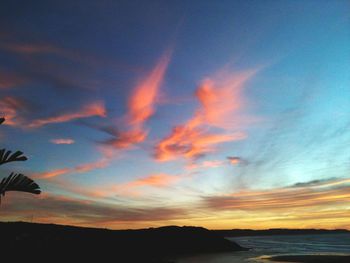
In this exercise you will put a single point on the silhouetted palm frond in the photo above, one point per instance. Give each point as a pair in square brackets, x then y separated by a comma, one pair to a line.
[6, 157]
[18, 182]
[2, 120]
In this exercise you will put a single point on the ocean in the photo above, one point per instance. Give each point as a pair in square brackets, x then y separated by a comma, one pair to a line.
[264, 246]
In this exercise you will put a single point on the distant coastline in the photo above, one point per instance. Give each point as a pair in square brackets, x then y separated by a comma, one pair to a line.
[277, 232]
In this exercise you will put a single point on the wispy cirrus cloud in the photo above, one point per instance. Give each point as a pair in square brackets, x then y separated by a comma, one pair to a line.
[141, 106]
[81, 168]
[220, 99]
[136, 186]
[205, 164]
[311, 194]
[62, 141]
[104, 161]
[154, 180]
[89, 110]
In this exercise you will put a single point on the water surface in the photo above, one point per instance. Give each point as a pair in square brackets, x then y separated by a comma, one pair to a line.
[264, 246]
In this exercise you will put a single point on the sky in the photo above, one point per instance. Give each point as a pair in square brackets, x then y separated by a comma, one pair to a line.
[135, 114]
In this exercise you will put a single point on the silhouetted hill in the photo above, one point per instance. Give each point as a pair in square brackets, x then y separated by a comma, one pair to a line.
[275, 232]
[145, 245]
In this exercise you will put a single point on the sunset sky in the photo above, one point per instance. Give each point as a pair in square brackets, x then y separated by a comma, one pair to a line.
[221, 114]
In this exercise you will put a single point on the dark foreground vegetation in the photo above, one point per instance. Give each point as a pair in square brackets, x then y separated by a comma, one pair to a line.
[156, 245]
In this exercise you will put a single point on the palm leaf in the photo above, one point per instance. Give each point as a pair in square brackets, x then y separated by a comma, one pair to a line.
[2, 120]
[6, 157]
[18, 182]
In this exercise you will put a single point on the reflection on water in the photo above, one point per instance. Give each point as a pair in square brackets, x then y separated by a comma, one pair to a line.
[264, 246]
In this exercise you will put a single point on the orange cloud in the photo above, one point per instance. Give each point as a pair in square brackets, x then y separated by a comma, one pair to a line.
[154, 180]
[53, 173]
[143, 99]
[141, 107]
[81, 168]
[220, 100]
[234, 160]
[62, 141]
[127, 139]
[221, 97]
[86, 167]
[90, 110]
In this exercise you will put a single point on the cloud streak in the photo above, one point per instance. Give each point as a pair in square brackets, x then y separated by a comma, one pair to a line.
[89, 110]
[81, 168]
[32, 49]
[62, 141]
[64, 210]
[313, 194]
[155, 180]
[220, 99]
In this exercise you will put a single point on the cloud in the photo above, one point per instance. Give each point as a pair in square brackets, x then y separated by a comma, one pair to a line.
[323, 182]
[81, 168]
[62, 141]
[53, 173]
[220, 99]
[103, 162]
[32, 49]
[144, 97]
[312, 194]
[10, 108]
[90, 110]
[11, 80]
[141, 107]
[65, 210]
[126, 139]
[132, 188]
[221, 96]
[234, 160]
[155, 180]
[205, 164]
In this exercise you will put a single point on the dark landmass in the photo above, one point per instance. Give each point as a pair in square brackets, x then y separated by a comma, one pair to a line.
[156, 245]
[312, 258]
[276, 232]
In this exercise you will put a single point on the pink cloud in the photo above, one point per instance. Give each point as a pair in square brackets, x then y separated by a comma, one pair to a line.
[221, 100]
[10, 108]
[141, 106]
[89, 110]
[104, 161]
[62, 141]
